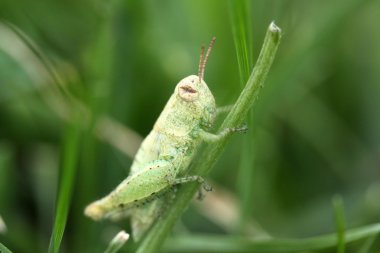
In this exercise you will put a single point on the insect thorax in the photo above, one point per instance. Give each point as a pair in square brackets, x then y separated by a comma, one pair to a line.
[174, 133]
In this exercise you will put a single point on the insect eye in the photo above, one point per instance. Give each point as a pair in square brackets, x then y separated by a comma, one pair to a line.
[187, 93]
[188, 89]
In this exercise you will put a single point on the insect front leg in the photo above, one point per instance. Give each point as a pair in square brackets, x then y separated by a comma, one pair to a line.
[210, 137]
[223, 109]
[219, 111]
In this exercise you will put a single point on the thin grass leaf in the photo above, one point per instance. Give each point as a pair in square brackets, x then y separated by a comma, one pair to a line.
[66, 182]
[240, 16]
[48, 65]
[366, 247]
[339, 223]
[240, 13]
[236, 117]
[229, 244]
[61, 101]
[4, 249]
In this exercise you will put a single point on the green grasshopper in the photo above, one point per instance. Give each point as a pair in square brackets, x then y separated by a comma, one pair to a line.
[165, 154]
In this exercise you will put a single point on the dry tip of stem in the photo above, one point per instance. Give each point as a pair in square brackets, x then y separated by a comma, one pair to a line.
[117, 242]
[274, 28]
[122, 236]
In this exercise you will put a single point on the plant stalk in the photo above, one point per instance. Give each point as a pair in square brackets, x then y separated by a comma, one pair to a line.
[159, 231]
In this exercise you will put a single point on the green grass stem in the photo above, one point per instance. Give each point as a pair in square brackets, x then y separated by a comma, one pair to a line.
[241, 17]
[4, 249]
[339, 223]
[156, 236]
[229, 244]
[66, 182]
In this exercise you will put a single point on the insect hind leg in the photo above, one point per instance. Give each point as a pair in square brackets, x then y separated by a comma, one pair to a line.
[124, 210]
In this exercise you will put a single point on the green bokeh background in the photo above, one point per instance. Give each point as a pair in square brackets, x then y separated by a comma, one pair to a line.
[315, 129]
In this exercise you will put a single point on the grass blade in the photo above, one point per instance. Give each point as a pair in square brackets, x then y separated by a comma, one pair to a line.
[229, 244]
[242, 33]
[66, 181]
[339, 223]
[366, 247]
[241, 29]
[4, 249]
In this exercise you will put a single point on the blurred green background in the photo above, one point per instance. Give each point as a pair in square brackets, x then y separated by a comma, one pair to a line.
[314, 133]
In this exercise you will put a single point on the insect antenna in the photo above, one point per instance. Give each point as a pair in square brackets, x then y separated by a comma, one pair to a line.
[201, 66]
[203, 59]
